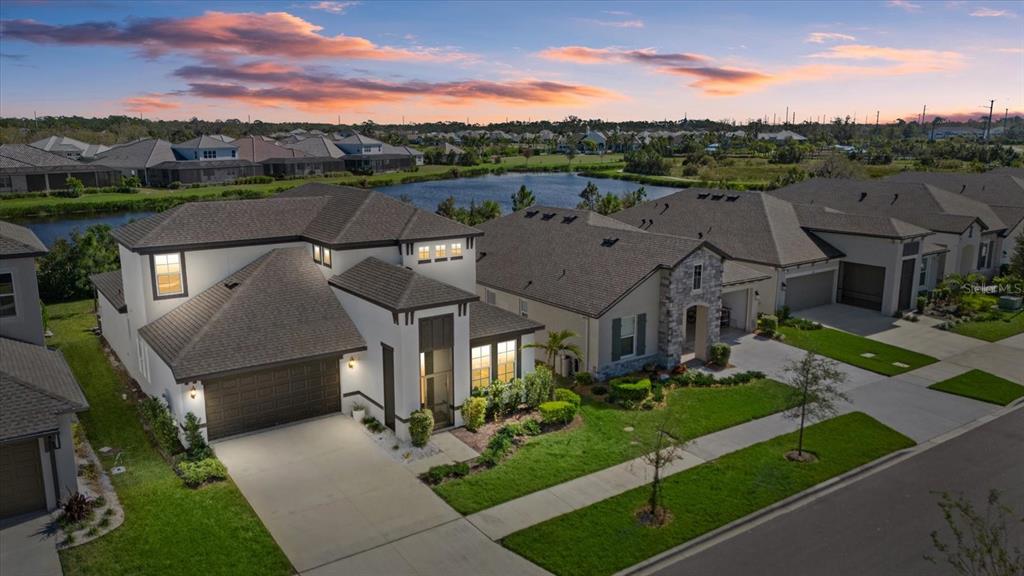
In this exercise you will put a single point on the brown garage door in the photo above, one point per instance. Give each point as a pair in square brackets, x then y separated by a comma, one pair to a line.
[861, 285]
[270, 397]
[21, 478]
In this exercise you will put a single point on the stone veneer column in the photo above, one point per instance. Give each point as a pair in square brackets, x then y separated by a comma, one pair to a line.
[677, 295]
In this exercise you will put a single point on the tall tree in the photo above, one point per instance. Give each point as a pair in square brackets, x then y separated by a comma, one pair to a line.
[1017, 258]
[557, 344]
[64, 271]
[523, 199]
[816, 380]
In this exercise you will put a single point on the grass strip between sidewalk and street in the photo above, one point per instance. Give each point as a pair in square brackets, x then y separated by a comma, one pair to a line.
[606, 537]
[983, 386]
[168, 529]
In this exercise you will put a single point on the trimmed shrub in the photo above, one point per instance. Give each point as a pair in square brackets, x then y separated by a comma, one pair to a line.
[566, 395]
[557, 412]
[161, 423]
[197, 473]
[474, 411]
[505, 397]
[438, 474]
[373, 425]
[783, 314]
[531, 428]
[741, 378]
[584, 379]
[537, 386]
[174, 185]
[255, 180]
[197, 449]
[625, 391]
[922, 302]
[719, 354]
[421, 424]
[768, 325]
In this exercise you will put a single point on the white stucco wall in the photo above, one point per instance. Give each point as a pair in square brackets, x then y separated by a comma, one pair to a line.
[115, 328]
[767, 291]
[742, 304]
[883, 252]
[644, 299]
[803, 270]
[458, 273]
[342, 260]
[63, 460]
[27, 323]
[1009, 243]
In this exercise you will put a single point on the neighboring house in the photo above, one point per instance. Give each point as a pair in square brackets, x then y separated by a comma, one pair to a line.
[356, 143]
[202, 172]
[810, 257]
[599, 142]
[261, 312]
[38, 393]
[206, 147]
[415, 155]
[1001, 189]
[285, 161]
[970, 229]
[631, 297]
[20, 317]
[136, 158]
[25, 168]
[69, 147]
[781, 136]
[451, 153]
[317, 146]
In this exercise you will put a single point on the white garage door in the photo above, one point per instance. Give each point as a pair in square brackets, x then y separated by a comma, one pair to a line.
[809, 290]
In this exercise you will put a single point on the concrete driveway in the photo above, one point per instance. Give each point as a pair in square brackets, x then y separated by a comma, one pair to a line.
[27, 548]
[326, 491]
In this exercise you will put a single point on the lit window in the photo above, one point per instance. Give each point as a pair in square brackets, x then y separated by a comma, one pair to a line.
[424, 253]
[7, 306]
[698, 271]
[167, 271]
[317, 254]
[506, 360]
[440, 251]
[627, 336]
[457, 250]
[524, 309]
[480, 366]
[327, 257]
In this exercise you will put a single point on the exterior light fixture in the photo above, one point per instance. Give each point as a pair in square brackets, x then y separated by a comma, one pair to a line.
[351, 362]
[192, 393]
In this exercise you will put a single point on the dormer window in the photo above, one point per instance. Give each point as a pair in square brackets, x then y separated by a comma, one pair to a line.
[456, 253]
[168, 275]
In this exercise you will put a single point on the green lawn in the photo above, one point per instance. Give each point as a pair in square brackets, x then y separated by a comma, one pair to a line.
[1011, 324]
[981, 386]
[846, 347]
[605, 537]
[601, 442]
[168, 528]
[161, 199]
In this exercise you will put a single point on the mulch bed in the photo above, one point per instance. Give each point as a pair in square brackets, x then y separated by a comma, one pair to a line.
[478, 440]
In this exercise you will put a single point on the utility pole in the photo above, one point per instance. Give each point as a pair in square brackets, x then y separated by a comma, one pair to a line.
[923, 112]
[988, 124]
[1006, 113]
[787, 114]
[876, 118]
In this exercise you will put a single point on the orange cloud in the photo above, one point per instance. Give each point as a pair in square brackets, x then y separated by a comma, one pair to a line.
[585, 55]
[218, 34]
[822, 37]
[920, 59]
[148, 103]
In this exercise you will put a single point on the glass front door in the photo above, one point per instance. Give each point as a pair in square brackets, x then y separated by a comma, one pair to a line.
[437, 385]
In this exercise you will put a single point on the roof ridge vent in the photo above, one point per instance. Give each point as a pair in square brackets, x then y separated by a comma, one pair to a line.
[663, 210]
[717, 196]
[609, 242]
[547, 216]
[964, 187]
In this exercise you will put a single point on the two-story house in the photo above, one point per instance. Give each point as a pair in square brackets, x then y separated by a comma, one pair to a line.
[261, 312]
[38, 393]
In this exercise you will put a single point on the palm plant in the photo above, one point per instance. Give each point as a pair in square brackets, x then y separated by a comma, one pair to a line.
[557, 344]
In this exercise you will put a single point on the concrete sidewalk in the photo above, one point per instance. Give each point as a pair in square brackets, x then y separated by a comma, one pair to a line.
[903, 403]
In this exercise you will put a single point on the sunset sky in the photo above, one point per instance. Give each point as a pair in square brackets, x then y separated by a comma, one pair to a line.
[422, 61]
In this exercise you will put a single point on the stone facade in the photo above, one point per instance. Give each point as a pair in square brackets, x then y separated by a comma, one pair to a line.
[678, 295]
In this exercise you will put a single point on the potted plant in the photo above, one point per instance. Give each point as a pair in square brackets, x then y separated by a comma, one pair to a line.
[358, 412]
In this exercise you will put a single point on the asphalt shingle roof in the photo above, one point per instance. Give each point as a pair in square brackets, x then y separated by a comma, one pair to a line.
[924, 205]
[256, 149]
[334, 215]
[139, 154]
[19, 242]
[821, 218]
[25, 156]
[36, 385]
[111, 285]
[487, 321]
[317, 146]
[205, 141]
[1001, 189]
[397, 288]
[577, 260]
[749, 226]
[64, 144]
[735, 273]
[278, 309]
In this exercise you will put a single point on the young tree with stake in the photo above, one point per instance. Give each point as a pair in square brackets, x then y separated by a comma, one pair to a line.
[816, 380]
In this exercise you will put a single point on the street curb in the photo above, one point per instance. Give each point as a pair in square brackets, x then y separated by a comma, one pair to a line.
[800, 499]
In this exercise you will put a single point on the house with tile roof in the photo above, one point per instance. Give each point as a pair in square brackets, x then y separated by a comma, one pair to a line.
[261, 312]
[38, 393]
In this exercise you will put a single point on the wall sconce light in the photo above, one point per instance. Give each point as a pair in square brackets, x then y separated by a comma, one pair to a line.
[192, 393]
[351, 362]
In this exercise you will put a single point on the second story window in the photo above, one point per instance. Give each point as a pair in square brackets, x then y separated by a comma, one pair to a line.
[440, 252]
[423, 254]
[318, 254]
[456, 250]
[524, 308]
[208, 154]
[698, 272]
[327, 256]
[7, 305]
[168, 275]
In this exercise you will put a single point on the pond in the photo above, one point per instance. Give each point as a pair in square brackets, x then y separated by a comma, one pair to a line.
[554, 189]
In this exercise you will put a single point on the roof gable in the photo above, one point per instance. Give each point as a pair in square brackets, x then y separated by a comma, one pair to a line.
[19, 242]
[397, 288]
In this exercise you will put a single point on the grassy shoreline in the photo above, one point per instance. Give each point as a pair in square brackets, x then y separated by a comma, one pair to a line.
[155, 200]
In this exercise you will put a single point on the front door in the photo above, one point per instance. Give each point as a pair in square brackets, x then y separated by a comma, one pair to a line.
[437, 368]
[388, 355]
[906, 283]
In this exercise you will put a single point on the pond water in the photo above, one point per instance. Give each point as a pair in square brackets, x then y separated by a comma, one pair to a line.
[555, 189]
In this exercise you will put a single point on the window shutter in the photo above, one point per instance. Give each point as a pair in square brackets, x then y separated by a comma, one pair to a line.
[641, 334]
[616, 339]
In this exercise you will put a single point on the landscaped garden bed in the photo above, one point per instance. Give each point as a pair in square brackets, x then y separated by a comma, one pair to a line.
[982, 386]
[608, 536]
[973, 314]
[169, 527]
[606, 433]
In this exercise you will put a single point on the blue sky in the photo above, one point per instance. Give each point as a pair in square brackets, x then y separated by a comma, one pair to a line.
[487, 61]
